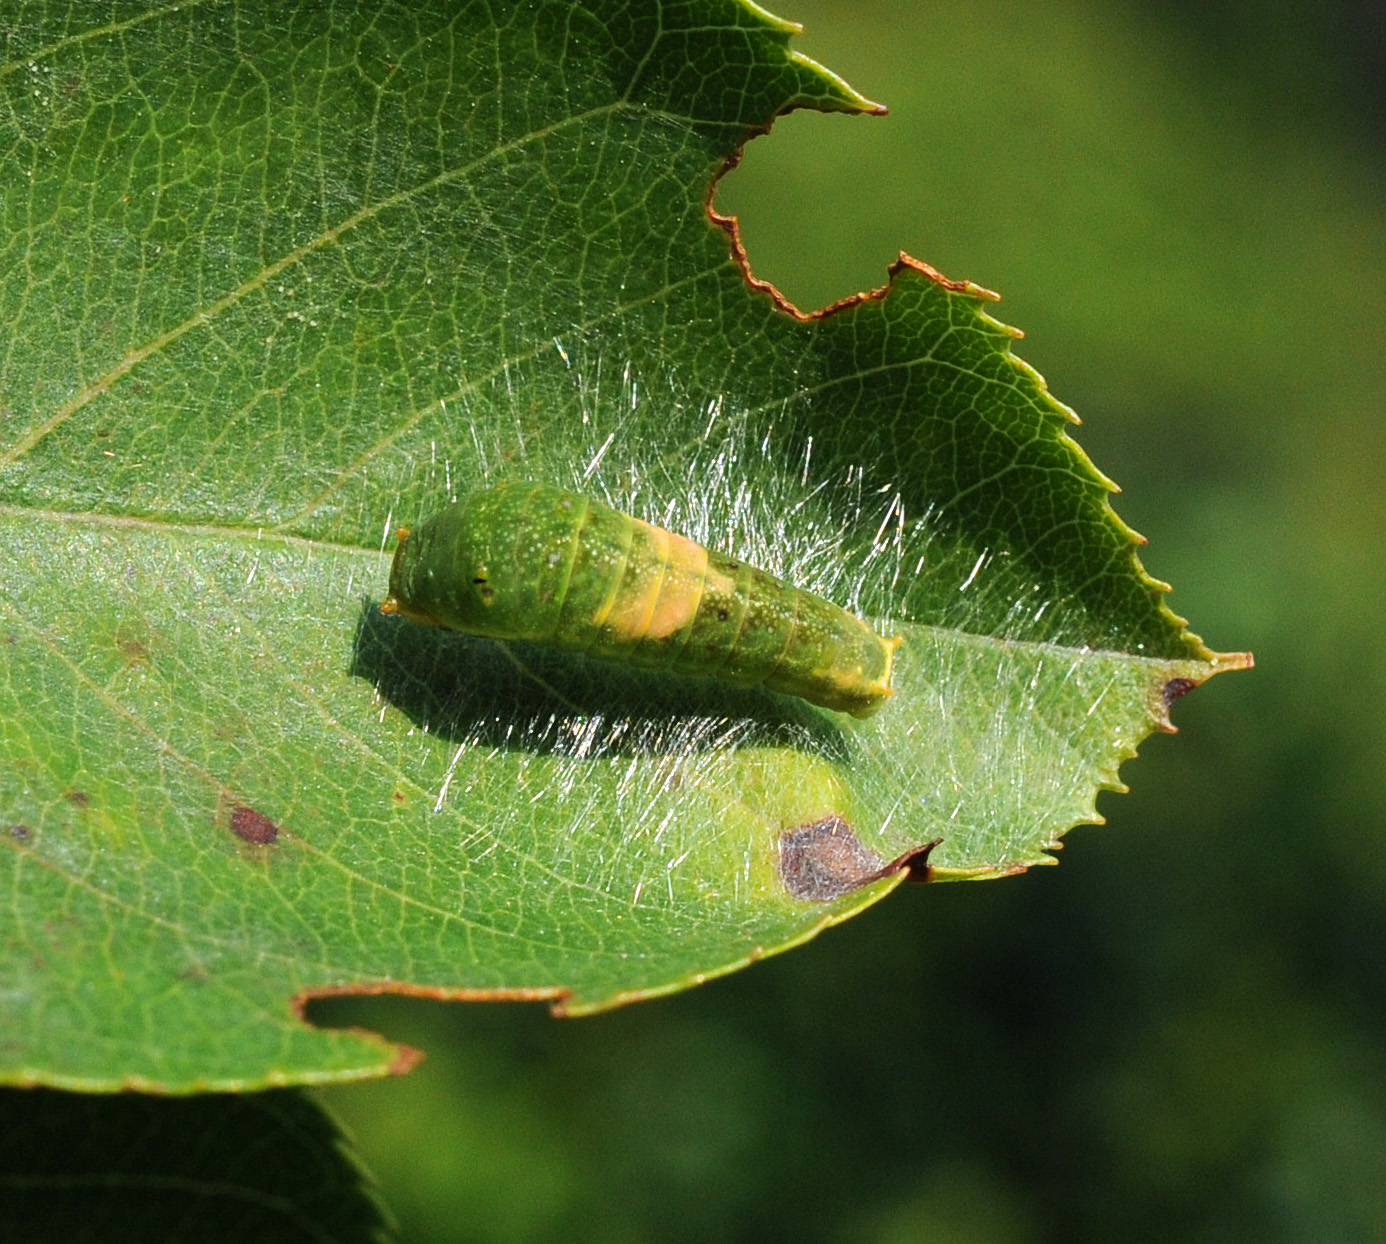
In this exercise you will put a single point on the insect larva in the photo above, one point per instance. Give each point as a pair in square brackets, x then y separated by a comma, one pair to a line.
[534, 562]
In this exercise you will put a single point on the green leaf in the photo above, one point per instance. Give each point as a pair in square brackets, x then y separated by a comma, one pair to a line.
[276, 278]
[270, 1167]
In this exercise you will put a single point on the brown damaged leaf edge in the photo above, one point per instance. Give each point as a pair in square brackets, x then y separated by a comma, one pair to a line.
[1220, 661]
[406, 1057]
[1178, 688]
[401, 1059]
[912, 865]
[728, 224]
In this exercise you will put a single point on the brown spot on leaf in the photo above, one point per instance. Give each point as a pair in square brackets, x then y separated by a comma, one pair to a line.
[1177, 688]
[20, 833]
[253, 827]
[399, 797]
[130, 645]
[133, 651]
[78, 798]
[825, 860]
[232, 727]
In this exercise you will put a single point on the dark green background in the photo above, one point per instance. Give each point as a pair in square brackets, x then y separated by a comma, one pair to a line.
[1180, 1034]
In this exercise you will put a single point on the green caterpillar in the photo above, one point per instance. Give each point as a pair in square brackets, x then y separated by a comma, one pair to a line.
[534, 562]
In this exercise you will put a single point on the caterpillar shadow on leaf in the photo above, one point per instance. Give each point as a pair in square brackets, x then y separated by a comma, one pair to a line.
[511, 694]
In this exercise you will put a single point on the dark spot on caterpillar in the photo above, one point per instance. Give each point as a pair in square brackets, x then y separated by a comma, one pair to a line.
[253, 827]
[20, 833]
[78, 798]
[722, 615]
[1177, 688]
[479, 579]
[733, 566]
[824, 860]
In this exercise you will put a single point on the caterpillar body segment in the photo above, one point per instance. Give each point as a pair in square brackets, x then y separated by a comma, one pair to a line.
[538, 563]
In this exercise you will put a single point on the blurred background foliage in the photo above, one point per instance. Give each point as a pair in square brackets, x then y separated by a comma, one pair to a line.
[1180, 1034]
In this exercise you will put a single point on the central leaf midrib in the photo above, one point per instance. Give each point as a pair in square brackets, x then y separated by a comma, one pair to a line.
[254, 536]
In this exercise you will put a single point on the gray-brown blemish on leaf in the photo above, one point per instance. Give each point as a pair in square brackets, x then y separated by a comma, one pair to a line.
[20, 833]
[253, 827]
[824, 860]
[78, 798]
[235, 725]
